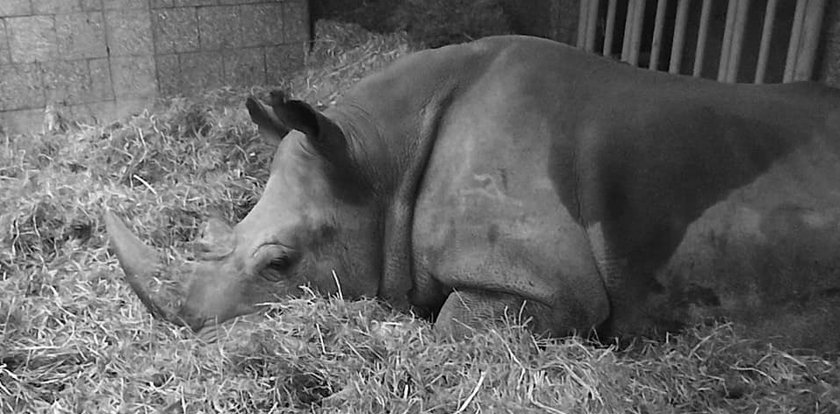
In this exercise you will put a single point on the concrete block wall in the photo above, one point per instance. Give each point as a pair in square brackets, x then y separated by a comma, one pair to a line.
[105, 58]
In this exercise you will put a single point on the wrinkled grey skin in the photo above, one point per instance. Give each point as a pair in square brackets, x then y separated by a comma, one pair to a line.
[517, 175]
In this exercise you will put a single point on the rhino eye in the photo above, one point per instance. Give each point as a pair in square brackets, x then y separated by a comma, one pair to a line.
[277, 268]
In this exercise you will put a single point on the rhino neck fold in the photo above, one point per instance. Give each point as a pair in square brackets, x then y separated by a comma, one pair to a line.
[392, 126]
[399, 280]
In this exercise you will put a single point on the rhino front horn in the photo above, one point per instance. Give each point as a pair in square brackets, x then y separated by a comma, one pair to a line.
[141, 264]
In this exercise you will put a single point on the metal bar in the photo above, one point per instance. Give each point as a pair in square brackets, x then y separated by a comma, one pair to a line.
[737, 40]
[638, 23]
[808, 49]
[726, 47]
[702, 34]
[591, 25]
[656, 45]
[628, 30]
[795, 37]
[582, 21]
[679, 36]
[766, 36]
[609, 31]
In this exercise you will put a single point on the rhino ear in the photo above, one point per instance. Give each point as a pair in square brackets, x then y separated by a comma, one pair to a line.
[328, 140]
[296, 114]
[325, 136]
[270, 127]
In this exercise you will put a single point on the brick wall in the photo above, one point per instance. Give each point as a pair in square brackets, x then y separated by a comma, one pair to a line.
[105, 58]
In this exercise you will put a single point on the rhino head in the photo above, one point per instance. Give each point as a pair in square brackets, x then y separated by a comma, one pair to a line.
[315, 225]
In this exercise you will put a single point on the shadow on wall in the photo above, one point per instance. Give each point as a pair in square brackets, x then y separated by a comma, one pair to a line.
[440, 22]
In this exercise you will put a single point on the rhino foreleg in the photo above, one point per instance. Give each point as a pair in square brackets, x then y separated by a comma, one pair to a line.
[629, 290]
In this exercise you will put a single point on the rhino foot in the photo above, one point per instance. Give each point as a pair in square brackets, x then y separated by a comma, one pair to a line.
[466, 312]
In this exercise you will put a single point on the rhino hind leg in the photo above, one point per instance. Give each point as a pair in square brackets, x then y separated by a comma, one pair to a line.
[468, 311]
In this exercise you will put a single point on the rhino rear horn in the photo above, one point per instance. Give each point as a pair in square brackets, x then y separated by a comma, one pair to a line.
[140, 263]
[217, 239]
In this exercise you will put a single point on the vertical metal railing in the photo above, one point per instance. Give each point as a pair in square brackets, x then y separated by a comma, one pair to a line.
[679, 36]
[801, 48]
[809, 37]
[766, 36]
[702, 34]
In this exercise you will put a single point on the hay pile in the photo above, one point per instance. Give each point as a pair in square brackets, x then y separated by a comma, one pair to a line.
[74, 339]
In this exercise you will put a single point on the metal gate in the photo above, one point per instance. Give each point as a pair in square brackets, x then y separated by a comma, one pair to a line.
[757, 41]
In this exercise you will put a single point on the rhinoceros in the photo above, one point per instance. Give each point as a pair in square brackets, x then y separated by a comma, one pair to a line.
[519, 175]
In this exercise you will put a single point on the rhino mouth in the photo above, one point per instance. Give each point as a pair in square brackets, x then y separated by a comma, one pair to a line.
[144, 268]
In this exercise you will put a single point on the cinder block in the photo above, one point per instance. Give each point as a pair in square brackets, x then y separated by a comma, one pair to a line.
[5, 53]
[80, 35]
[91, 5]
[160, 4]
[296, 21]
[245, 67]
[85, 113]
[77, 81]
[262, 24]
[200, 72]
[129, 32]
[22, 121]
[101, 87]
[32, 38]
[15, 8]
[281, 61]
[108, 111]
[168, 74]
[21, 87]
[176, 30]
[125, 4]
[55, 6]
[134, 77]
[126, 107]
[219, 27]
[65, 81]
[193, 3]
